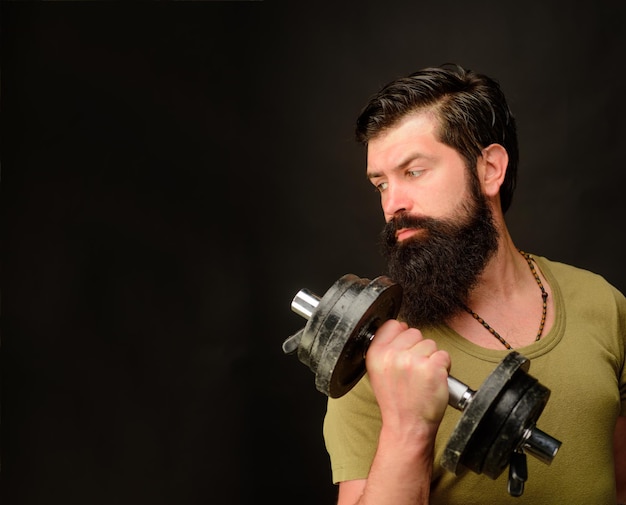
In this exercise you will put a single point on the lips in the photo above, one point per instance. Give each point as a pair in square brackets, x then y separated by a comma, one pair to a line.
[405, 233]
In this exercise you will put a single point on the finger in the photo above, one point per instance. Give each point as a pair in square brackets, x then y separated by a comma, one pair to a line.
[441, 358]
[388, 331]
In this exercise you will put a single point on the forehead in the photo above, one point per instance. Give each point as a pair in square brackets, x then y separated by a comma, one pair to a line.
[414, 135]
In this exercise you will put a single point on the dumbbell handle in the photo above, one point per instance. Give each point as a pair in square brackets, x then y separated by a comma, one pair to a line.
[539, 444]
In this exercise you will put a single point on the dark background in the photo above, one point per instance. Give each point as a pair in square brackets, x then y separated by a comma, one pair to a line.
[174, 172]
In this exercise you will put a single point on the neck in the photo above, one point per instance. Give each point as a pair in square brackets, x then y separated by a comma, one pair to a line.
[506, 303]
[504, 274]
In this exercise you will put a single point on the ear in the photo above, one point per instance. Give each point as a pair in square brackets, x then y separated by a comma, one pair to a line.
[493, 164]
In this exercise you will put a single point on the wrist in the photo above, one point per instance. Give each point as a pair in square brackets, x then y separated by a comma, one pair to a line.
[412, 441]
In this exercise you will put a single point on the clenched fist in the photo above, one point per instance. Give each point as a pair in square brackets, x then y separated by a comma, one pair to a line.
[409, 377]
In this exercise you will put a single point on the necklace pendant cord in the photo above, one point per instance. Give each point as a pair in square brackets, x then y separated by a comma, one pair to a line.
[544, 297]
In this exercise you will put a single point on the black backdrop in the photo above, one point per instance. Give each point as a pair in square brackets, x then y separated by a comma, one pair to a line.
[174, 172]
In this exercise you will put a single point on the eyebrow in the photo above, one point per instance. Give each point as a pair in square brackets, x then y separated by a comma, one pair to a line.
[407, 161]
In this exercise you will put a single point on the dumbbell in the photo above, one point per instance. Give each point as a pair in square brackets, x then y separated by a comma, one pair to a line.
[498, 422]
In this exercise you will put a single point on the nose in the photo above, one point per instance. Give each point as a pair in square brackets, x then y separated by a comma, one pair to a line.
[395, 200]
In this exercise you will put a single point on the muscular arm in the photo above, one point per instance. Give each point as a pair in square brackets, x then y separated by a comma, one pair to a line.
[619, 448]
[409, 378]
[393, 479]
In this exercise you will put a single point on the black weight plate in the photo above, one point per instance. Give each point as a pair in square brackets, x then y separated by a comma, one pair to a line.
[324, 316]
[327, 333]
[528, 409]
[344, 362]
[482, 401]
[492, 422]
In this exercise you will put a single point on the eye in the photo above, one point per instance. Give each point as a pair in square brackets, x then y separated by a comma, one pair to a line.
[382, 186]
[414, 173]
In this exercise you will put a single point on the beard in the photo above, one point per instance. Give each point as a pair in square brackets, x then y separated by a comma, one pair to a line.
[438, 268]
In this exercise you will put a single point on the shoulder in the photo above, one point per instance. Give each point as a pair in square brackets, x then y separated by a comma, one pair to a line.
[574, 280]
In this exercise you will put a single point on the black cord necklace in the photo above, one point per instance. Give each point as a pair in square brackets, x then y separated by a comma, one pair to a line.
[544, 296]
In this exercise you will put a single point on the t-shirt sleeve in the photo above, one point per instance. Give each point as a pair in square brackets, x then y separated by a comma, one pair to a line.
[351, 428]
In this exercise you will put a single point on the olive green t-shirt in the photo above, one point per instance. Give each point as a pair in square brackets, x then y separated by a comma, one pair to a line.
[580, 360]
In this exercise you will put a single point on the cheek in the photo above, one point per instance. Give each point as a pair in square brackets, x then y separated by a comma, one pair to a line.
[446, 203]
[460, 189]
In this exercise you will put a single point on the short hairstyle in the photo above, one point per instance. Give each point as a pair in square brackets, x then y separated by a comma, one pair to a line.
[471, 107]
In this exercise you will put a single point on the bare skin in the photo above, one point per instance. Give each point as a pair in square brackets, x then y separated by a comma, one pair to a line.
[417, 174]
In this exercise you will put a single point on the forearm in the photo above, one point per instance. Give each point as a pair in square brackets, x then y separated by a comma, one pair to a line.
[401, 471]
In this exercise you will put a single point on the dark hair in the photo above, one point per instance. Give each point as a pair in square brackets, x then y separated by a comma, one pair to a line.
[471, 107]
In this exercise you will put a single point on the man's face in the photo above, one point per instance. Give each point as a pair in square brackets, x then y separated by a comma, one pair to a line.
[439, 233]
[414, 172]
